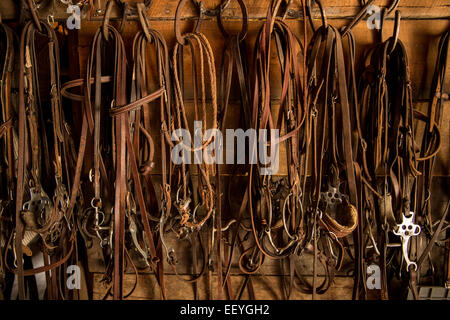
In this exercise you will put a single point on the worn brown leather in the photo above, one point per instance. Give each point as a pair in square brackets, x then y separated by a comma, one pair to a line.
[41, 148]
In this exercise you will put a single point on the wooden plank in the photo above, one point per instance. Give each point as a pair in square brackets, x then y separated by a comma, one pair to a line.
[233, 122]
[265, 288]
[419, 37]
[183, 251]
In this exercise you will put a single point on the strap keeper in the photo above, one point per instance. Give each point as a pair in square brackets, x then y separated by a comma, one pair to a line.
[442, 96]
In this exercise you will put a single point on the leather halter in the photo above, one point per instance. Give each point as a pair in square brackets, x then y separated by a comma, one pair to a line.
[280, 229]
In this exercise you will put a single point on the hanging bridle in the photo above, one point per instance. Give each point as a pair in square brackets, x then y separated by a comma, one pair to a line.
[194, 200]
[141, 122]
[45, 215]
[7, 149]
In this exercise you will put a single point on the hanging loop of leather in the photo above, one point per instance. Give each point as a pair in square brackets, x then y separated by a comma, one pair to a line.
[180, 7]
[244, 28]
[107, 16]
[322, 13]
[105, 24]
[34, 14]
[141, 9]
[394, 38]
[437, 136]
[384, 14]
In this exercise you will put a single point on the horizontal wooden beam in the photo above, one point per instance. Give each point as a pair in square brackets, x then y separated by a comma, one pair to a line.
[165, 9]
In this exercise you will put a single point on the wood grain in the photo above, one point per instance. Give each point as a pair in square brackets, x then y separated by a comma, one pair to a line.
[423, 23]
[265, 288]
[334, 9]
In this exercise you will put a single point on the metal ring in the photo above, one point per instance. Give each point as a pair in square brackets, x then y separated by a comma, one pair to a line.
[97, 200]
[412, 264]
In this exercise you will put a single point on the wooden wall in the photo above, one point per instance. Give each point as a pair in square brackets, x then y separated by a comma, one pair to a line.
[423, 23]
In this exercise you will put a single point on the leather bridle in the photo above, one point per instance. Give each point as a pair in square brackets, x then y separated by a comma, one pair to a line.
[195, 198]
[41, 147]
[7, 150]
